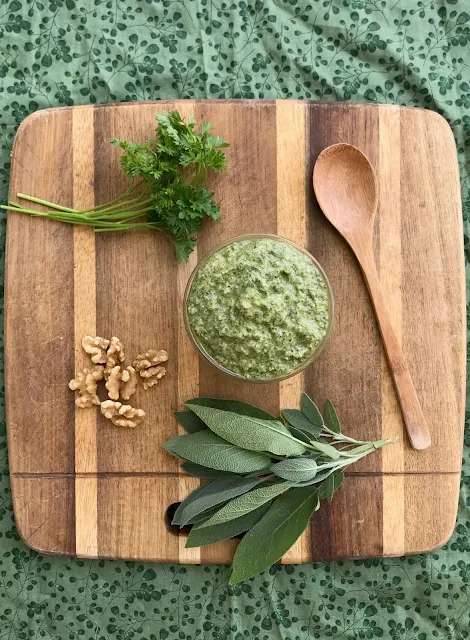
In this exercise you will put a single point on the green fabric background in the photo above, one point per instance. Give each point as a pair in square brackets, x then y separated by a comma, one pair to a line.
[64, 52]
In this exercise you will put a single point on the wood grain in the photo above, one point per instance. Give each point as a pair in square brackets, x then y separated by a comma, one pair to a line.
[49, 526]
[292, 223]
[188, 382]
[346, 189]
[86, 488]
[348, 366]
[396, 501]
[39, 333]
[389, 219]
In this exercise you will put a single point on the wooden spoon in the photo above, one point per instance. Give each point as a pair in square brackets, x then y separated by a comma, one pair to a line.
[345, 186]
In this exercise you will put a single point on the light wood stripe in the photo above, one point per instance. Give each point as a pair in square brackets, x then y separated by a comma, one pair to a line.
[390, 271]
[188, 360]
[291, 223]
[188, 387]
[86, 489]
[188, 384]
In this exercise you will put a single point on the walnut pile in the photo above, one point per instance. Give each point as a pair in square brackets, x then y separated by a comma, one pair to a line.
[122, 415]
[148, 365]
[86, 383]
[120, 381]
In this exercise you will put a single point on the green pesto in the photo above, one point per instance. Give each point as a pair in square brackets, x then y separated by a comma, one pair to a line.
[259, 308]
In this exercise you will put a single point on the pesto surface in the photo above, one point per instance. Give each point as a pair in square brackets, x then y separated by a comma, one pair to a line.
[259, 307]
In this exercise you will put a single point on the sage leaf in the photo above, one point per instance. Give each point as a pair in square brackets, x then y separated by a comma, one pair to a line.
[329, 486]
[204, 515]
[274, 534]
[207, 449]
[212, 494]
[199, 537]
[247, 432]
[317, 479]
[300, 435]
[199, 471]
[189, 421]
[234, 406]
[311, 410]
[246, 503]
[359, 450]
[331, 419]
[326, 449]
[298, 420]
[295, 469]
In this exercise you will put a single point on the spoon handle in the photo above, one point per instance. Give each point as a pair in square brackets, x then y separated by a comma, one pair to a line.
[415, 422]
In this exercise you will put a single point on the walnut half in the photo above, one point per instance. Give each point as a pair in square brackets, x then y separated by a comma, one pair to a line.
[128, 383]
[115, 353]
[121, 382]
[96, 348]
[86, 383]
[148, 365]
[122, 415]
[152, 376]
[149, 359]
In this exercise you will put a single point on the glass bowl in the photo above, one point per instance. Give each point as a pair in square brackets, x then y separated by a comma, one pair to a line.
[197, 343]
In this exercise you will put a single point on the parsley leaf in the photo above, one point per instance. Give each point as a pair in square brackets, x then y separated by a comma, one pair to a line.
[174, 171]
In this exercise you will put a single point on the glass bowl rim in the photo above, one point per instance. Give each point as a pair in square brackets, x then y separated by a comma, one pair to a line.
[198, 346]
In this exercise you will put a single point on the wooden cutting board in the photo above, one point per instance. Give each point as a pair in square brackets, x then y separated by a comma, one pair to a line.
[84, 487]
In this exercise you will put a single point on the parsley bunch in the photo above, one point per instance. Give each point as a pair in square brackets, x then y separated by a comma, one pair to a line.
[167, 191]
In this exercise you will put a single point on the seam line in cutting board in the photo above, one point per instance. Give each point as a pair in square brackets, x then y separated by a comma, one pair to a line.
[156, 474]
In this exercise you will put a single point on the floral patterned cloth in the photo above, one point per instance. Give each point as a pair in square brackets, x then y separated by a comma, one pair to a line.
[65, 52]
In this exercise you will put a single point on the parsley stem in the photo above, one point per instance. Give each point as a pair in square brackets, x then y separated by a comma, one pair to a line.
[124, 215]
[61, 216]
[128, 192]
[103, 218]
[118, 227]
[121, 201]
[52, 205]
[45, 203]
[115, 207]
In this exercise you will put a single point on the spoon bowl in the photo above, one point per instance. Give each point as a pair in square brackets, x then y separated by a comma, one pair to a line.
[345, 185]
[346, 188]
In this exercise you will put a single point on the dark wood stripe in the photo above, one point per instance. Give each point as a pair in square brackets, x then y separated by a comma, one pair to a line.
[351, 525]
[348, 371]
[39, 309]
[45, 512]
[354, 350]
[248, 198]
[136, 301]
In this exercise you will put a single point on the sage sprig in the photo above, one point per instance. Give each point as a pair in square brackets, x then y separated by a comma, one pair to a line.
[266, 475]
